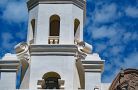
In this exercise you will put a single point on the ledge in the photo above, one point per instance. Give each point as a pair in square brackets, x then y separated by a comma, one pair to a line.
[8, 70]
[66, 50]
[80, 3]
[93, 66]
[9, 66]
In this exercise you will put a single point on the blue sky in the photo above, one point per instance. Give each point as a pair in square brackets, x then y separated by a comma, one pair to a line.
[111, 28]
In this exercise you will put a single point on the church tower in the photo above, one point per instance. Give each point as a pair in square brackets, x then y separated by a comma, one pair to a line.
[54, 29]
[55, 21]
[54, 55]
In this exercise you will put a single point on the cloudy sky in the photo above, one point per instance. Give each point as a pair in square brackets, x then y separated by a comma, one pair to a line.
[111, 27]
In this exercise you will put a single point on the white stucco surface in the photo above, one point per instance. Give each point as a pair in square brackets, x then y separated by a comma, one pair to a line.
[7, 81]
[93, 57]
[92, 80]
[63, 65]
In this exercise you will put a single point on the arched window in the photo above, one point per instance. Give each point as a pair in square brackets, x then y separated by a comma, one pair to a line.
[54, 29]
[51, 80]
[76, 26]
[32, 31]
[54, 25]
[33, 27]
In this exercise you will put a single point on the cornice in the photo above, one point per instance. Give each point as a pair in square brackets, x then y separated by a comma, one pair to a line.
[93, 66]
[9, 65]
[80, 3]
[63, 50]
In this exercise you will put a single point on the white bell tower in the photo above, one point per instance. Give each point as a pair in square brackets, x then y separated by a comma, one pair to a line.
[54, 29]
[55, 21]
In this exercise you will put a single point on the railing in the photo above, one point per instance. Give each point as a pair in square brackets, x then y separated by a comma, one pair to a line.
[42, 84]
[53, 40]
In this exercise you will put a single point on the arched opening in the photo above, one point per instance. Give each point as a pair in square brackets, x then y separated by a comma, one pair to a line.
[33, 26]
[51, 80]
[76, 26]
[54, 29]
[32, 31]
[54, 25]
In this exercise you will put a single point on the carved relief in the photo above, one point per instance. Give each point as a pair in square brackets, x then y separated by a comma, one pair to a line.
[129, 81]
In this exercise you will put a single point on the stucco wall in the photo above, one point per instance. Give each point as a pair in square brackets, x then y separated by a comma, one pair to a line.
[63, 65]
[8, 81]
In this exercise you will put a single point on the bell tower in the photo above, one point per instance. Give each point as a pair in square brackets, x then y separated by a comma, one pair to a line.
[55, 21]
[55, 55]
[54, 29]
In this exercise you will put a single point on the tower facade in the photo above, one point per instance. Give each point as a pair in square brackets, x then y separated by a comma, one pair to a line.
[54, 28]
[55, 21]
[55, 56]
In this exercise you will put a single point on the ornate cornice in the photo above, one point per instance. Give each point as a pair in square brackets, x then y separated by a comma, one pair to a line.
[80, 3]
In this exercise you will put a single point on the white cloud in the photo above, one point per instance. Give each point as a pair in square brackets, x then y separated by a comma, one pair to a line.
[132, 12]
[6, 36]
[116, 50]
[3, 3]
[128, 36]
[113, 74]
[103, 32]
[116, 64]
[113, 68]
[105, 24]
[107, 13]
[6, 40]
[117, 39]
[131, 61]
[100, 47]
[21, 35]
[134, 36]
[15, 12]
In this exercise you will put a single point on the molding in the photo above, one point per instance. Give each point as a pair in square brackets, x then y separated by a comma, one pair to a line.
[81, 72]
[93, 70]
[79, 3]
[52, 54]
[62, 50]
[8, 61]
[93, 66]
[8, 70]
[9, 66]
